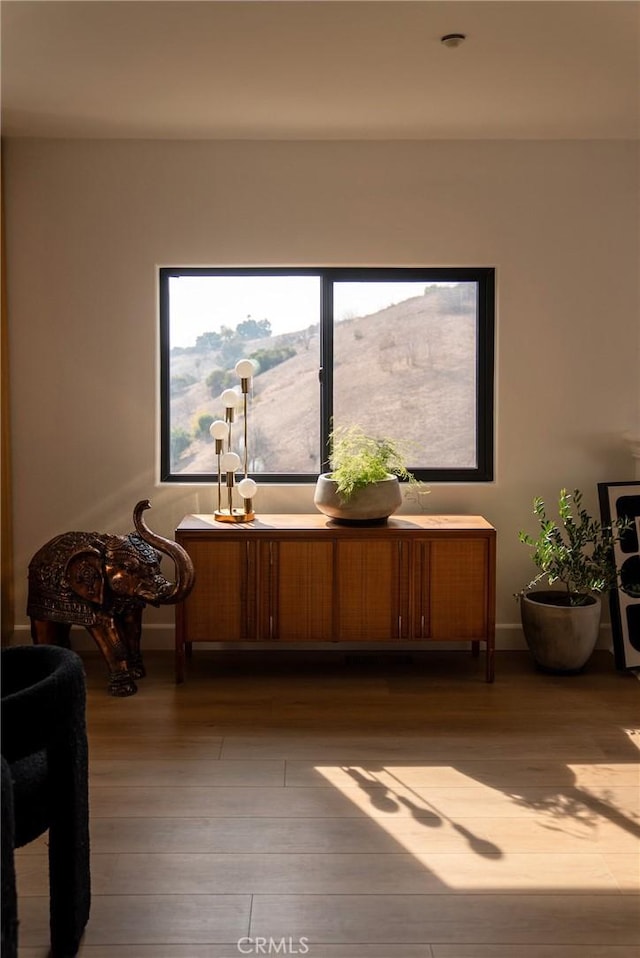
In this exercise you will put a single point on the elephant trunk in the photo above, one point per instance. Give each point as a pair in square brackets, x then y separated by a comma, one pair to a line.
[185, 574]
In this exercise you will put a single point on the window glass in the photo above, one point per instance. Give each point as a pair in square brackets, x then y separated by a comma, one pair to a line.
[215, 321]
[405, 359]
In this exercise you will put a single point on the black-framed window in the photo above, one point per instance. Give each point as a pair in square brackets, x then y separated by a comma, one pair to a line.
[404, 353]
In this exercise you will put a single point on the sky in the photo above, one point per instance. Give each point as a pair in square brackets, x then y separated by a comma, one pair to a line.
[201, 304]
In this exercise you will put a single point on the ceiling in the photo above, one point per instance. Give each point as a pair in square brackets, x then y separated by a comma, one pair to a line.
[321, 69]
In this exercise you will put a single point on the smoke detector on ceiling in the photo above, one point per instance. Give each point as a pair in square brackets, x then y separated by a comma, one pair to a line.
[452, 40]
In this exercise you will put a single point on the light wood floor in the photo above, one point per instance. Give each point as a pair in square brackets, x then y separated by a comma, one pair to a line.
[364, 807]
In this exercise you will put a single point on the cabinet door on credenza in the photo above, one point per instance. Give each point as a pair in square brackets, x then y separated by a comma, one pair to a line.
[297, 604]
[368, 579]
[222, 606]
[453, 589]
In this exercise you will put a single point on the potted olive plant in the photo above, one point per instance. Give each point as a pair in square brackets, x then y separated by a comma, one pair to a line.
[362, 485]
[575, 554]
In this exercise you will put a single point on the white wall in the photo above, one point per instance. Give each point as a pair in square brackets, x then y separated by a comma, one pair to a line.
[88, 222]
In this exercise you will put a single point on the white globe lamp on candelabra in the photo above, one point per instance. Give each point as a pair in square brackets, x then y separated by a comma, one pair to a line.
[229, 462]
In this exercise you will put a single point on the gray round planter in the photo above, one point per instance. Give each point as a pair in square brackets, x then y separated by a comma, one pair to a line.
[373, 503]
[561, 638]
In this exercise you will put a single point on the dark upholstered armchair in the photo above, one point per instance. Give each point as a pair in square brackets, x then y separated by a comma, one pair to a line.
[45, 786]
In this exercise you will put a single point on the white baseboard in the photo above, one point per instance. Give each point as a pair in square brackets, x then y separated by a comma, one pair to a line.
[156, 637]
[509, 637]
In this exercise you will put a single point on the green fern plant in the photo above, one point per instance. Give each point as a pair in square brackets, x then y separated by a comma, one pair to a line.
[357, 460]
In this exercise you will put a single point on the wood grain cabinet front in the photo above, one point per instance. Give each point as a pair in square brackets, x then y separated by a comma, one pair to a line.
[368, 576]
[298, 599]
[292, 578]
[453, 583]
[223, 605]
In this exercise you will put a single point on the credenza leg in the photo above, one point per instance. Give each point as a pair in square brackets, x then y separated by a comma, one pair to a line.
[490, 661]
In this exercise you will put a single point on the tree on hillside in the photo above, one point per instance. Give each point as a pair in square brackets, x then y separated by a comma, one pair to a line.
[209, 340]
[180, 383]
[219, 380]
[306, 335]
[253, 328]
[231, 352]
[461, 298]
[202, 424]
[260, 447]
[180, 440]
[268, 358]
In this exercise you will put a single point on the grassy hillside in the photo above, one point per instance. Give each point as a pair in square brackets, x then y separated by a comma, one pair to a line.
[407, 371]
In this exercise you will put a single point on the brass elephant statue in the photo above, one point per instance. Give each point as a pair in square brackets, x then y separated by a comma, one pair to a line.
[103, 582]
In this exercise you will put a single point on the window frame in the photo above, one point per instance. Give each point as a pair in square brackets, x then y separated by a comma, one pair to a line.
[484, 277]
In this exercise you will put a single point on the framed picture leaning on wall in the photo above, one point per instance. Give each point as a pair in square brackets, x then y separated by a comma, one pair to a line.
[618, 499]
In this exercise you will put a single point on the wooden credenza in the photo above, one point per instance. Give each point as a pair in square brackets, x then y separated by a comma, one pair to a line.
[306, 578]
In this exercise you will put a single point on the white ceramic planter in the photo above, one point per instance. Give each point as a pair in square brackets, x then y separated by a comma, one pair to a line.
[561, 638]
[373, 503]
